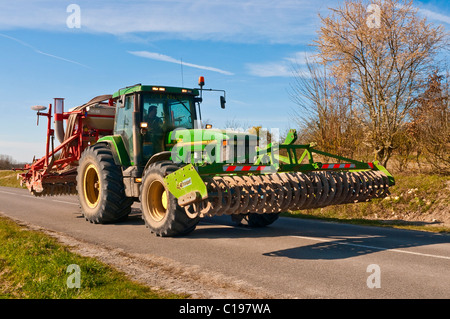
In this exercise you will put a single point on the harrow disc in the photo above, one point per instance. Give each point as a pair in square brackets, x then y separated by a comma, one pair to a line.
[274, 193]
[56, 189]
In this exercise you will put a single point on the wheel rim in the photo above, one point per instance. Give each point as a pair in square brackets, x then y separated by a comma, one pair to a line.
[157, 201]
[91, 186]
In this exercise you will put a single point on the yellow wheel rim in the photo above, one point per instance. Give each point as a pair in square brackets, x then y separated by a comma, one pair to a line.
[157, 201]
[164, 199]
[91, 186]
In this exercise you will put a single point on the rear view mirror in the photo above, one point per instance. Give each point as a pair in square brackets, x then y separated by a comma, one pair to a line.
[222, 102]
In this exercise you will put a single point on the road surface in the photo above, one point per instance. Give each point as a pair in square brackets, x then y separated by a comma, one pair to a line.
[292, 258]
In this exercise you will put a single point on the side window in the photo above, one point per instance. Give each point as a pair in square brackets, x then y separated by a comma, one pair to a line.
[124, 122]
[153, 113]
[180, 114]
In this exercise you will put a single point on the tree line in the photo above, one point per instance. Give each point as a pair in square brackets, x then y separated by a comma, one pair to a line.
[7, 162]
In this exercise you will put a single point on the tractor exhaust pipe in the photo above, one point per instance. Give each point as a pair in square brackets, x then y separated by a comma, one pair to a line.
[59, 125]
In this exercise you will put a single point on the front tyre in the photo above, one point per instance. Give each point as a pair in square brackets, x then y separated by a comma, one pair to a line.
[160, 209]
[100, 186]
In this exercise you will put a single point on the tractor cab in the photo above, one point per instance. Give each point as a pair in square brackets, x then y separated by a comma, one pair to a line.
[145, 115]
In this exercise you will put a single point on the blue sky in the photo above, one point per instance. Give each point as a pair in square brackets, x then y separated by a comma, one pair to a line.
[242, 46]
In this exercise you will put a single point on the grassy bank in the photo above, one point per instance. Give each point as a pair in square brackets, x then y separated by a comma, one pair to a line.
[9, 179]
[33, 265]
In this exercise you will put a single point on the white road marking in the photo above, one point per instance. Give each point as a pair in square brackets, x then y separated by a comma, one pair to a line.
[31, 196]
[8, 193]
[371, 247]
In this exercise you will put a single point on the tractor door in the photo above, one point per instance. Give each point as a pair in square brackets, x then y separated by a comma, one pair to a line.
[123, 124]
[154, 115]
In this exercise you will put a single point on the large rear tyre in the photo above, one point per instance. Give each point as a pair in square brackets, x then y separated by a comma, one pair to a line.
[160, 209]
[100, 186]
[255, 219]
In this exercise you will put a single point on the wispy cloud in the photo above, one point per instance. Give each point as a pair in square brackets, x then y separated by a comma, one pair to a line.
[166, 58]
[432, 15]
[42, 52]
[244, 21]
[281, 68]
[269, 69]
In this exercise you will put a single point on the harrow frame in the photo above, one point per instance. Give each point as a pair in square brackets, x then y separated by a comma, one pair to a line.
[189, 184]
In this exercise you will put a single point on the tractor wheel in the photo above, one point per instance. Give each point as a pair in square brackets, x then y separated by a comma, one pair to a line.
[160, 209]
[255, 219]
[100, 186]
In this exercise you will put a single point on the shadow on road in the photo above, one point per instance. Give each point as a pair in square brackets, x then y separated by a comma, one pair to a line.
[324, 240]
[329, 240]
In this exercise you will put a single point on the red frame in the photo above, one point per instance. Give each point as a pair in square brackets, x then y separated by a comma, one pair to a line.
[57, 171]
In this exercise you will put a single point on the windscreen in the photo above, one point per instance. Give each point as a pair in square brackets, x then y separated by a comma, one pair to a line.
[172, 111]
[164, 113]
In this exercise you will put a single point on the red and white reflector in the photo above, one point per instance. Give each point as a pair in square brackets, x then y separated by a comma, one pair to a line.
[248, 168]
[335, 166]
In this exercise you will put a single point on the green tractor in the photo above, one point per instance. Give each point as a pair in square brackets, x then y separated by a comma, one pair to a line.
[145, 143]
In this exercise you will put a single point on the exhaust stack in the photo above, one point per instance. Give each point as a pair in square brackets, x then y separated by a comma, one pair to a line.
[59, 125]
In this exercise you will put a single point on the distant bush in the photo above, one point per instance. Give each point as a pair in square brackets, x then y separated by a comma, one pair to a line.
[7, 162]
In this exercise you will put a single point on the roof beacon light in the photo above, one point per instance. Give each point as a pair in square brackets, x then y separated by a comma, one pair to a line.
[201, 81]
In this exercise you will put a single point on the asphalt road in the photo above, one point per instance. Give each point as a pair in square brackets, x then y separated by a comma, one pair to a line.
[293, 257]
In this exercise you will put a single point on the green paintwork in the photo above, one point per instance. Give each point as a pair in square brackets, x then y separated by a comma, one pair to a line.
[206, 141]
[291, 137]
[120, 152]
[384, 170]
[184, 181]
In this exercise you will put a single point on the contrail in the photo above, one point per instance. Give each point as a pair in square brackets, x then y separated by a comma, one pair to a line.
[166, 58]
[42, 52]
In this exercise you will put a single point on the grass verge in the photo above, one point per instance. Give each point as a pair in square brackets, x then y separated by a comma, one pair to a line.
[9, 179]
[35, 266]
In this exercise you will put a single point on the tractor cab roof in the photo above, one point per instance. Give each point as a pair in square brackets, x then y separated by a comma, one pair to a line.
[155, 89]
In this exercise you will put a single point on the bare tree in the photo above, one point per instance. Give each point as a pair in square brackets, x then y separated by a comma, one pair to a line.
[430, 122]
[325, 113]
[386, 50]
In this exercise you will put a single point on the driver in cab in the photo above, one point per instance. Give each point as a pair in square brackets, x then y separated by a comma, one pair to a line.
[155, 125]
[152, 120]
